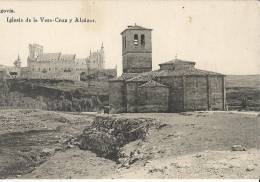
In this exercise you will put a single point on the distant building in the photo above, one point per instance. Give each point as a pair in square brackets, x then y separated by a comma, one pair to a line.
[11, 72]
[177, 86]
[61, 66]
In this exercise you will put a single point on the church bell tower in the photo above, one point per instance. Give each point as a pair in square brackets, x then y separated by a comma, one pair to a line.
[137, 49]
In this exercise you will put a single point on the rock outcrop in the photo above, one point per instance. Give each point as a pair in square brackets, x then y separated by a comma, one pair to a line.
[107, 134]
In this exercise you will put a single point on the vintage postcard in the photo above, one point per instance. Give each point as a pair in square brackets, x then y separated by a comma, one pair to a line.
[95, 89]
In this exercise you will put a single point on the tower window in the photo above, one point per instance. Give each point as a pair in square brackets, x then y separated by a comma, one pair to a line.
[142, 40]
[135, 39]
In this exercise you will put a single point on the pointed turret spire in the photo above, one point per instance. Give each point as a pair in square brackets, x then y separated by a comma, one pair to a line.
[18, 62]
[102, 46]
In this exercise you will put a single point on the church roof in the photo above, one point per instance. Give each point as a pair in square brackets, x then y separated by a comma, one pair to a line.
[147, 76]
[186, 72]
[125, 76]
[152, 83]
[135, 27]
[144, 77]
[176, 61]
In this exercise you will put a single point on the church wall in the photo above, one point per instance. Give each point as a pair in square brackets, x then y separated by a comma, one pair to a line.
[195, 93]
[217, 94]
[153, 99]
[117, 96]
[176, 92]
[137, 62]
[132, 95]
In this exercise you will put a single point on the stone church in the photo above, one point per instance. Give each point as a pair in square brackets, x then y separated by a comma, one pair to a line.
[176, 87]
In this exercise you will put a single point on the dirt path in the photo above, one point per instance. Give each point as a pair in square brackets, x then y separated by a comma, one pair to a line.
[74, 163]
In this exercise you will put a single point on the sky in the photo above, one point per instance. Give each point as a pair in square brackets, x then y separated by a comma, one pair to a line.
[221, 36]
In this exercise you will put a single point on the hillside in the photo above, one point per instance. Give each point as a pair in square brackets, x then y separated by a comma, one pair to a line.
[243, 92]
[53, 95]
[249, 81]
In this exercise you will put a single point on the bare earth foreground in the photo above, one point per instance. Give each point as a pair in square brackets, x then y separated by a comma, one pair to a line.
[42, 144]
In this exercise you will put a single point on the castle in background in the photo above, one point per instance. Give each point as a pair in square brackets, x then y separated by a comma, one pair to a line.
[58, 66]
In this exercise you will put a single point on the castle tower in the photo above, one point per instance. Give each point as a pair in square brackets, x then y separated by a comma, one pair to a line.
[102, 57]
[17, 62]
[34, 51]
[137, 49]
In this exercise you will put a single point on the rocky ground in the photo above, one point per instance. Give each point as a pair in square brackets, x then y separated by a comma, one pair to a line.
[44, 144]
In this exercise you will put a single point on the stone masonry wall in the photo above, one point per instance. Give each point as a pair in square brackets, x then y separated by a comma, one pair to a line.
[216, 90]
[131, 95]
[176, 92]
[153, 99]
[137, 62]
[195, 93]
[117, 96]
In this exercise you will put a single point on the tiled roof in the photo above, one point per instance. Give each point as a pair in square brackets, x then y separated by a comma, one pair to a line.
[185, 72]
[56, 57]
[67, 57]
[125, 76]
[147, 76]
[48, 57]
[136, 27]
[152, 83]
[174, 61]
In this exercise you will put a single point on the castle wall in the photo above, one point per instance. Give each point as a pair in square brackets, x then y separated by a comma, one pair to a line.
[117, 96]
[55, 75]
[56, 66]
[153, 99]
[3, 74]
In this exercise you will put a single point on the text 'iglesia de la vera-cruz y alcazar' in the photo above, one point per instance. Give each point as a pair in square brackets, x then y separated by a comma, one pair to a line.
[177, 86]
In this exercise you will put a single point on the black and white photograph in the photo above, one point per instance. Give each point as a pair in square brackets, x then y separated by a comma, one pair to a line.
[95, 89]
